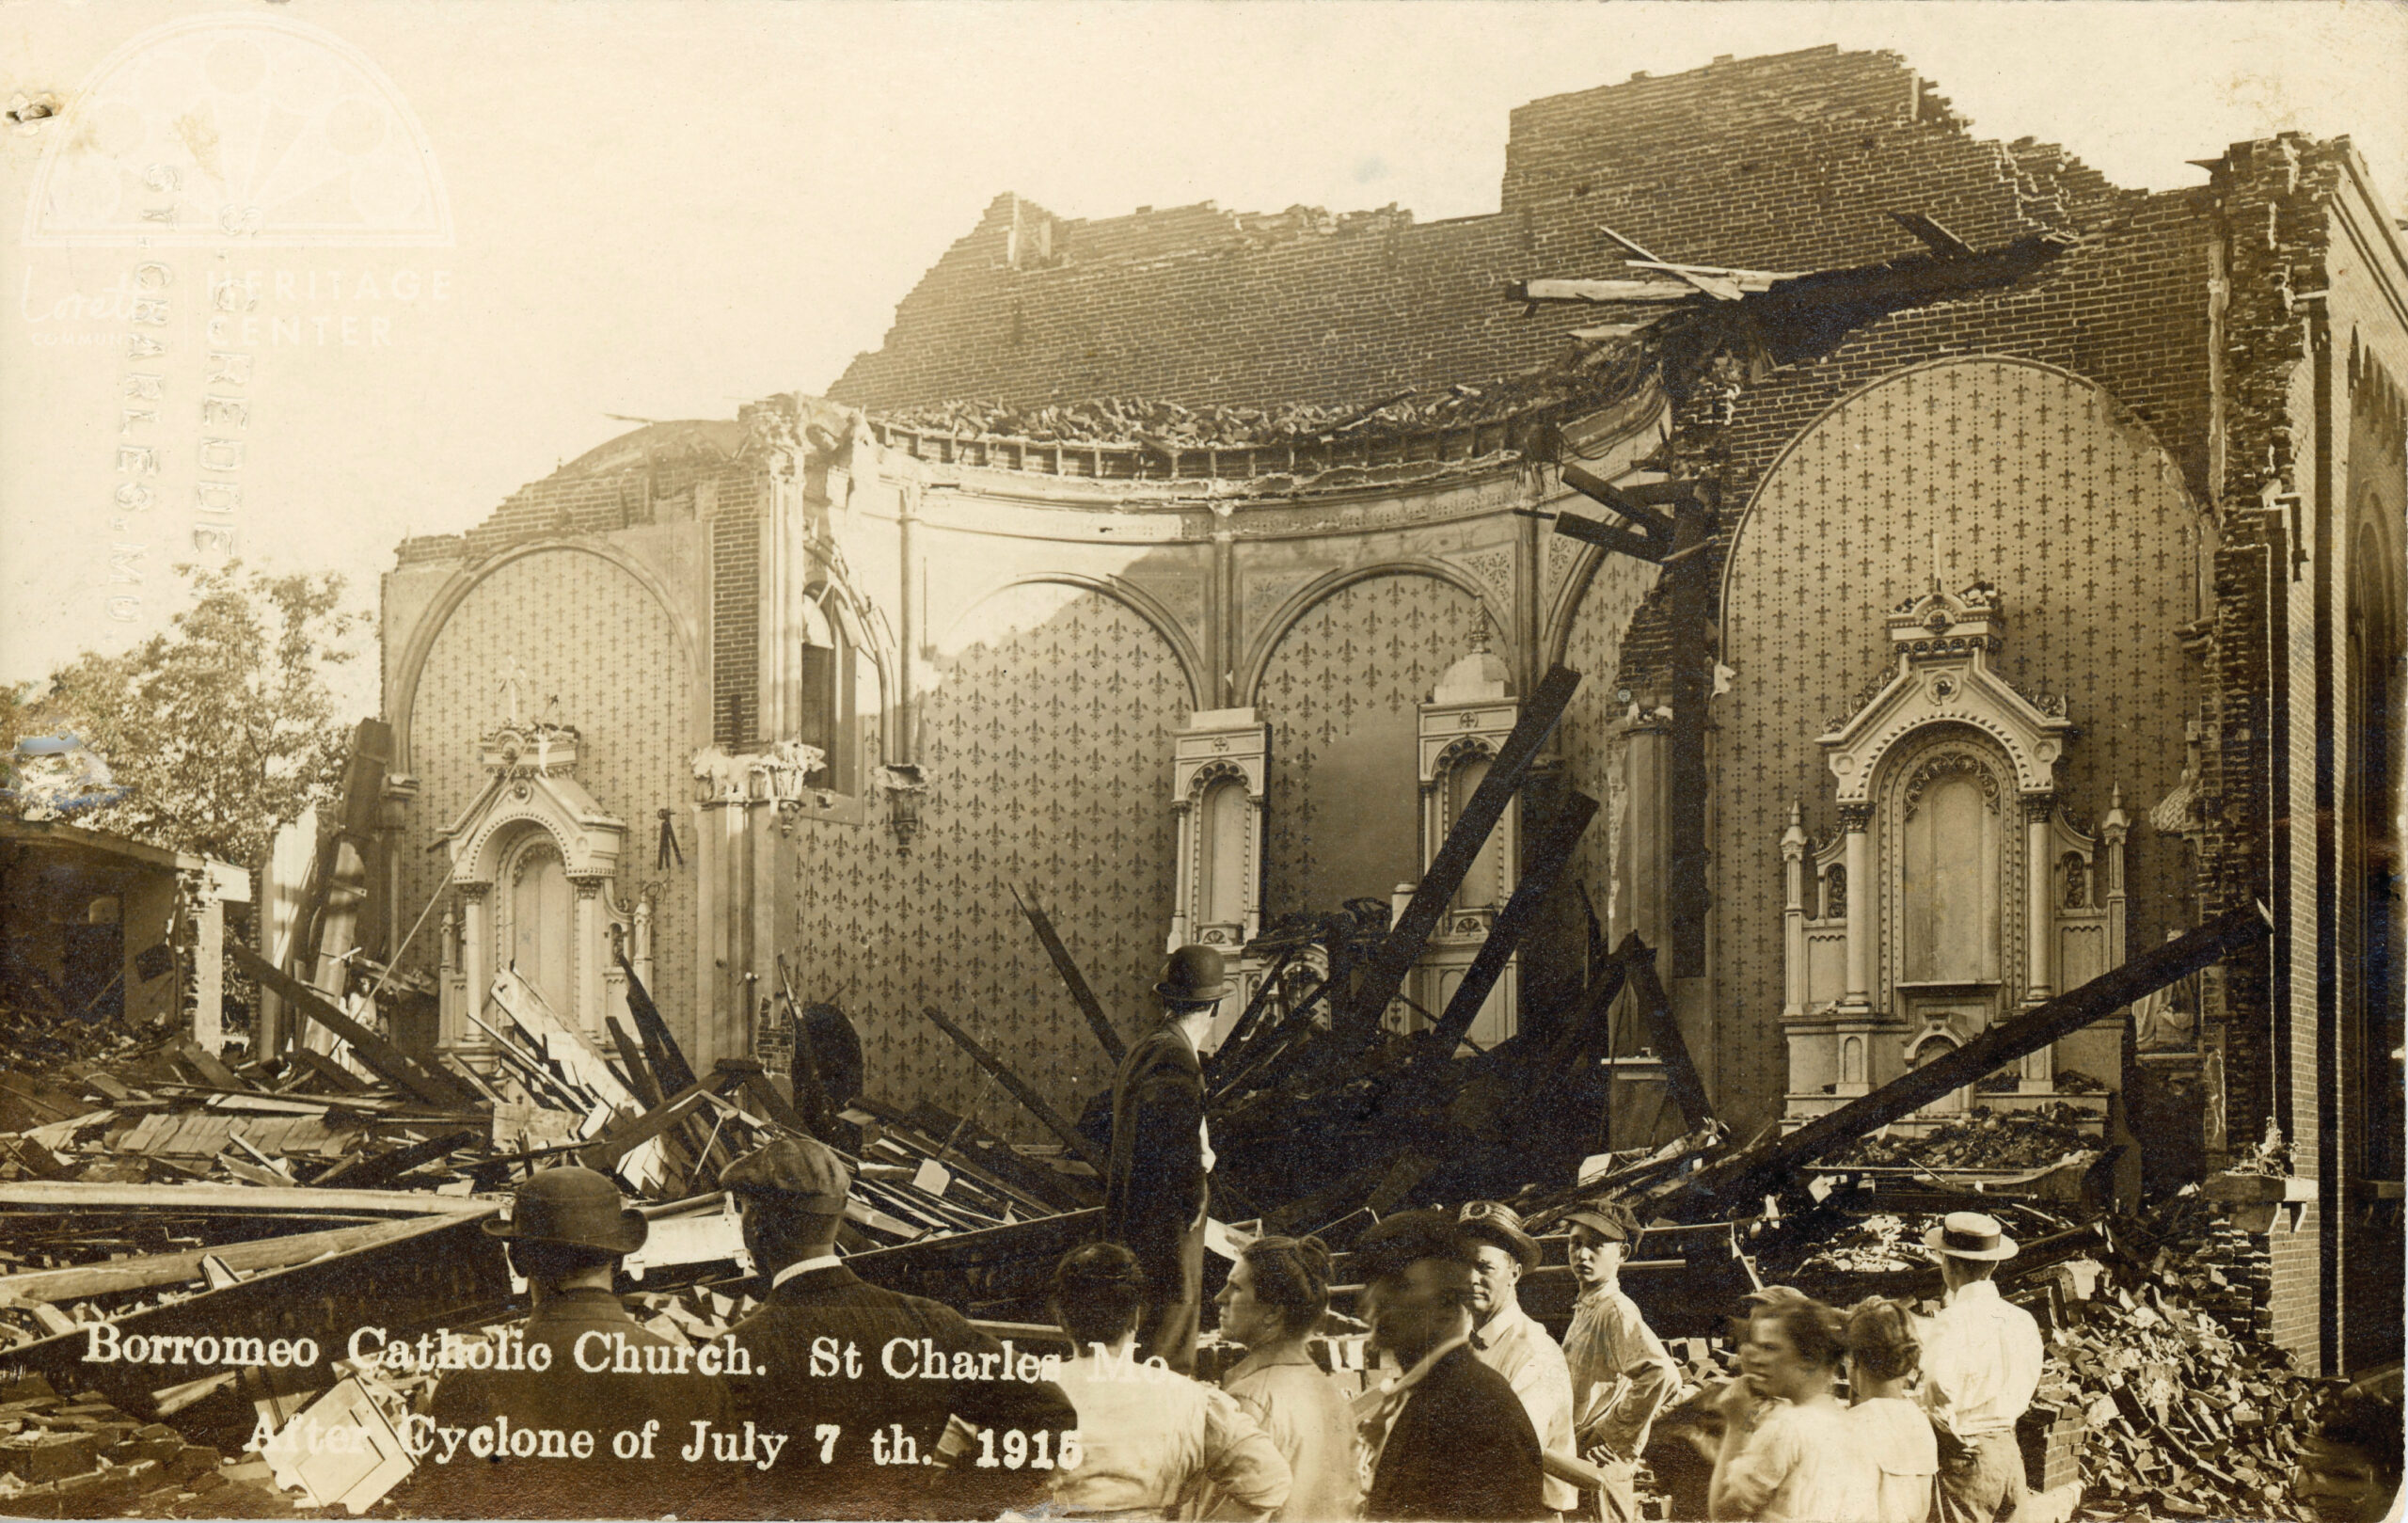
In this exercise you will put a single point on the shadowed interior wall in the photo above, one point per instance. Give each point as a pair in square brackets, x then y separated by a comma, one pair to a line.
[2007, 471]
[592, 636]
[1046, 744]
[1340, 693]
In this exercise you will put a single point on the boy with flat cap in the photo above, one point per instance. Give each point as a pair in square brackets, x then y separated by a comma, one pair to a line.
[1509, 1340]
[1155, 1188]
[1981, 1363]
[866, 1379]
[565, 1234]
[1622, 1377]
[1448, 1438]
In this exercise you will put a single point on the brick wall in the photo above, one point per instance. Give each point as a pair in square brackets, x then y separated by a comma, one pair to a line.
[1788, 162]
[736, 622]
[2294, 1295]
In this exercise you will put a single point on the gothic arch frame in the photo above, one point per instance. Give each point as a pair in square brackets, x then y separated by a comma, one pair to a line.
[865, 632]
[455, 591]
[2121, 415]
[1138, 601]
[1306, 598]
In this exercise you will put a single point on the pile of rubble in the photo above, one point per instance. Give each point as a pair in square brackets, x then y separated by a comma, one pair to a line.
[82, 1457]
[1985, 1139]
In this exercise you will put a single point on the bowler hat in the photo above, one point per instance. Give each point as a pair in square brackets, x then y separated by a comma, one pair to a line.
[1193, 976]
[812, 1174]
[1493, 1221]
[1968, 1234]
[574, 1207]
[1607, 1218]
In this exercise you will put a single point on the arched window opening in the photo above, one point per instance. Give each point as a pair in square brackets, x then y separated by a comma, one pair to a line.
[1221, 899]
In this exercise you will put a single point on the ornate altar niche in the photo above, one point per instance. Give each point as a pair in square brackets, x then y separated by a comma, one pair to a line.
[534, 861]
[1959, 888]
[1462, 728]
[1219, 767]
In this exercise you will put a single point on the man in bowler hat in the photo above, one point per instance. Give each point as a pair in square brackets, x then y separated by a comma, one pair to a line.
[1155, 1189]
[864, 1380]
[579, 1365]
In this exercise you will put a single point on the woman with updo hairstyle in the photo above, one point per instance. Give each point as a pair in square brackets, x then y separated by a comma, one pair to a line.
[1788, 1450]
[1277, 1291]
[1151, 1440]
[1893, 1432]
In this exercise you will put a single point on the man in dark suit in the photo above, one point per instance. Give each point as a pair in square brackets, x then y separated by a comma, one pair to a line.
[531, 1427]
[1154, 1188]
[1449, 1437]
[863, 1380]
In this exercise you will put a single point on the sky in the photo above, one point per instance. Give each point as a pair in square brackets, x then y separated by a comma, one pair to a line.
[661, 211]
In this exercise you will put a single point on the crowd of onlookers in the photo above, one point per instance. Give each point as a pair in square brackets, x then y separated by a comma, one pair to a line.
[840, 1399]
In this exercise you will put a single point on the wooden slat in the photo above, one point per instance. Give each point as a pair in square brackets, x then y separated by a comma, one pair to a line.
[33, 1195]
[1681, 1078]
[1025, 896]
[1020, 1090]
[385, 1060]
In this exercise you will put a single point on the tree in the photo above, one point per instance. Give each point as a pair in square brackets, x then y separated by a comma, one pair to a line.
[218, 729]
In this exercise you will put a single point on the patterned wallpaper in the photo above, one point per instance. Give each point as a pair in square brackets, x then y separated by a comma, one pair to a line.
[1046, 744]
[1339, 692]
[1592, 647]
[591, 635]
[2005, 471]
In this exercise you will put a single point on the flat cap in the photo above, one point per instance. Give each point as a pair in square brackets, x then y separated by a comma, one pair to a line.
[810, 1174]
[1607, 1218]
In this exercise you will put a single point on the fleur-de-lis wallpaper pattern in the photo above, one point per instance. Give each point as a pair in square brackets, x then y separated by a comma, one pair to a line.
[1592, 647]
[2008, 472]
[1047, 750]
[1341, 693]
[592, 636]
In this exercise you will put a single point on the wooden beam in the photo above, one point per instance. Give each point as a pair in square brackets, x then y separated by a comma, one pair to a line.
[1072, 1138]
[1620, 541]
[32, 1195]
[604, 1153]
[669, 1066]
[1247, 1018]
[1657, 526]
[1934, 237]
[1597, 291]
[1399, 950]
[1664, 1033]
[639, 1075]
[388, 1062]
[1545, 865]
[1742, 1173]
[155, 1269]
[1025, 896]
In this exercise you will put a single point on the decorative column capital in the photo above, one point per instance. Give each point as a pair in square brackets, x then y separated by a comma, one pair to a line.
[2037, 807]
[1856, 818]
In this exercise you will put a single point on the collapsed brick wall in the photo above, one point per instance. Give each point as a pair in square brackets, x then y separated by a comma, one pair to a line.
[1789, 162]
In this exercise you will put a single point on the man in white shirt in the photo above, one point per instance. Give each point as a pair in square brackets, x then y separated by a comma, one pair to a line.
[1508, 1341]
[1981, 1363]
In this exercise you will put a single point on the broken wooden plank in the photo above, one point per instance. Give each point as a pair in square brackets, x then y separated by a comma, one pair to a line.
[1025, 896]
[1934, 237]
[150, 1270]
[617, 1143]
[1681, 1078]
[43, 1194]
[670, 1068]
[1597, 291]
[367, 1173]
[1541, 868]
[382, 1057]
[1020, 1090]
[1744, 1172]
[647, 1088]
[1384, 974]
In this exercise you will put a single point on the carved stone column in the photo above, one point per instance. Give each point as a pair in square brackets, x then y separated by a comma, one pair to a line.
[476, 964]
[591, 947]
[1793, 914]
[2040, 916]
[1857, 821]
